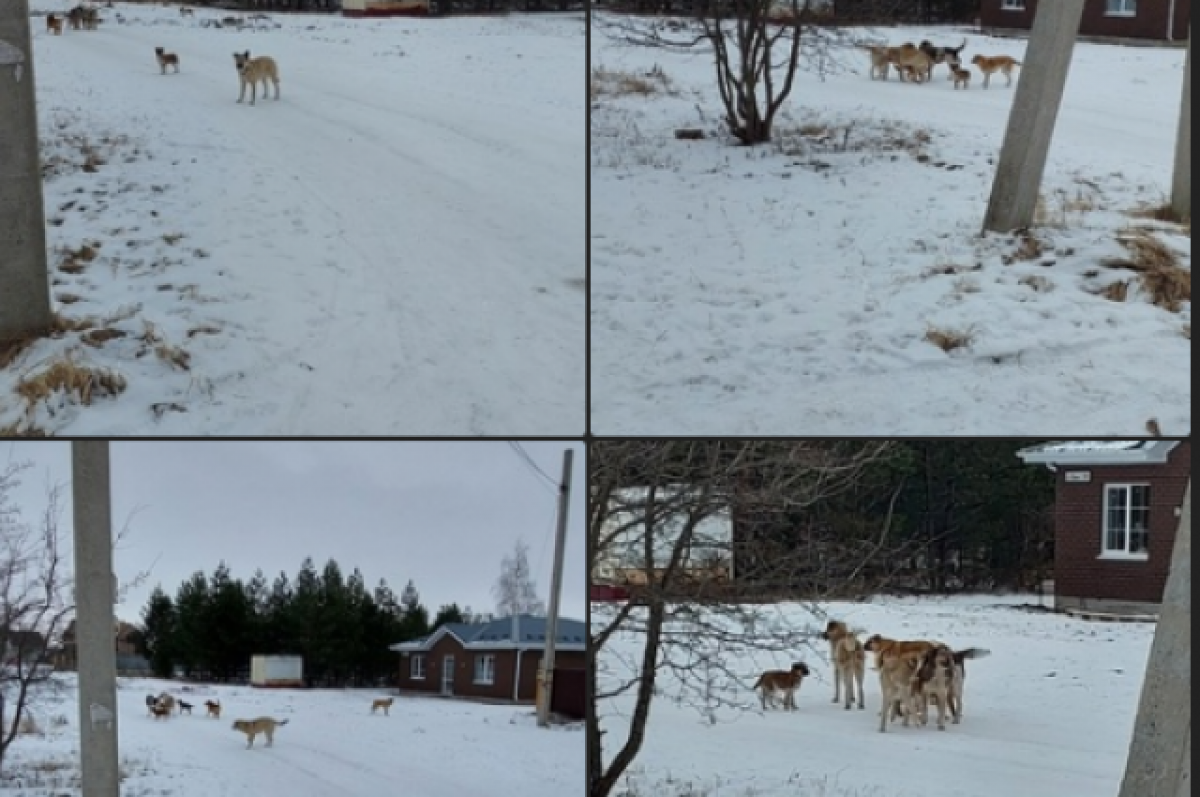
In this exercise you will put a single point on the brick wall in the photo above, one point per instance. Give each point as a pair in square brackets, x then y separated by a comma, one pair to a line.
[1079, 573]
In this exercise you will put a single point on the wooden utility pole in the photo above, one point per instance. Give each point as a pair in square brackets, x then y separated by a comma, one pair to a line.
[24, 282]
[1032, 118]
[1160, 756]
[95, 592]
[560, 539]
[1181, 184]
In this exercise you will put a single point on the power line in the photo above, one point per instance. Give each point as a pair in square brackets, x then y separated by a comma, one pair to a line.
[523, 455]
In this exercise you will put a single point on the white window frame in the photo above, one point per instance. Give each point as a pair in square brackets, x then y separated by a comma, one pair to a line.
[1120, 8]
[1124, 553]
[1012, 5]
[485, 669]
[416, 667]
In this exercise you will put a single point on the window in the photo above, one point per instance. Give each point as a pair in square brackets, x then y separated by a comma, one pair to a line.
[1126, 521]
[485, 669]
[416, 668]
[1012, 5]
[1121, 8]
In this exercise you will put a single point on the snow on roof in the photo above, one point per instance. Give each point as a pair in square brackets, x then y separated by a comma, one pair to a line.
[1099, 452]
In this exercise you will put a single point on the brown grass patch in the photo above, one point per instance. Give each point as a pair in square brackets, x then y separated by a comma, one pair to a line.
[1037, 282]
[98, 337]
[615, 83]
[1165, 213]
[78, 381]
[950, 339]
[11, 348]
[1159, 268]
[167, 352]
[203, 329]
[1116, 292]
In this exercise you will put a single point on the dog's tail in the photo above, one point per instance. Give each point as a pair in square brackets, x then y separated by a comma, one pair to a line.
[971, 653]
[758, 683]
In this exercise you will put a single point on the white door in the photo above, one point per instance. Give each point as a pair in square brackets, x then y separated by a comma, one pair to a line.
[447, 675]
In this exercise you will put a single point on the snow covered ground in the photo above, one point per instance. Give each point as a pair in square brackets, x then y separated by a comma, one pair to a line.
[1048, 714]
[331, 745]
[395, 247]
[836, 282]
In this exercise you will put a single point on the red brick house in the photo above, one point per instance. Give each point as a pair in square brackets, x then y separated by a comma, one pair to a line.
[498, 660]
[1116, 512]
[1161, 20]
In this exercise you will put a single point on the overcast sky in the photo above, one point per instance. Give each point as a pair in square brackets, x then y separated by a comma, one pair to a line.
[443, 514]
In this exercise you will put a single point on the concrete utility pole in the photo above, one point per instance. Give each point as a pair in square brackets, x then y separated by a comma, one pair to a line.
[1181, 185]
[1034, 113]
[94, 596]
[560, 539]
[24, 281]
[1160, 755]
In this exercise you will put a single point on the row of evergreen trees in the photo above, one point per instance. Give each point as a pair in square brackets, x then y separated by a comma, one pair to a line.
[215, 623]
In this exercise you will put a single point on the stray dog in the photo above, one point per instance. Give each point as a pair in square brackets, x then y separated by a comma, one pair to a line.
[936, 678]
[384, 703]
[256, 70]
[896, 673]
[785, 681]
[988, 64]
[849, 660]
[54, 24]
[166, 59]
[909, 58]
[885, 648]
[962, 77]
[951, 56]
[960, 656]
[151, 702]
[166, 701]
[880, 62]
[264, 725]
[160, 711]
[184, 706]
[214, 708]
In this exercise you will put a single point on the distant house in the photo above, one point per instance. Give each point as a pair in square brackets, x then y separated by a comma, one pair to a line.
[129, 662]
[1116, 512]
[23, 646]
[496, 660]
[1162, 20]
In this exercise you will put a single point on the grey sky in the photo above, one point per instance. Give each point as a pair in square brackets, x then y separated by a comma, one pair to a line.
[443, 514]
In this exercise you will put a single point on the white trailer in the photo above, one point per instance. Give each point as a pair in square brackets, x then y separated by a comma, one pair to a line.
[276, 671]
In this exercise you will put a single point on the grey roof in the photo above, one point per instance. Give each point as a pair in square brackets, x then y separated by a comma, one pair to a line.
[531, 632]
[1099, 452]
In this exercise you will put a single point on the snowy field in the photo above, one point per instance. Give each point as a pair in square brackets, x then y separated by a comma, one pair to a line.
[396, 246]
[836, 282]
[331, 745]
[1048, 714]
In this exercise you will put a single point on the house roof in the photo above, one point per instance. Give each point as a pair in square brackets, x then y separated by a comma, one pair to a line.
[498, 635]
[1099, 452]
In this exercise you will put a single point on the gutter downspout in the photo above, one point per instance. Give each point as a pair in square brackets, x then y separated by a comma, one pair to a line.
[1171, 21]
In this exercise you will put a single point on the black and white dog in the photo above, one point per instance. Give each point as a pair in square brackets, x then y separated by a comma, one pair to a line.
[944, 55]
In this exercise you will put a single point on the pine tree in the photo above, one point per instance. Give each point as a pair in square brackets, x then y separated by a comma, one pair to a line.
[159, 622]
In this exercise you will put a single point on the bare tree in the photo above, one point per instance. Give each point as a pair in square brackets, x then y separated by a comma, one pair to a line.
[34, 602]
[683, 633]
[756, 45]
[515, 590]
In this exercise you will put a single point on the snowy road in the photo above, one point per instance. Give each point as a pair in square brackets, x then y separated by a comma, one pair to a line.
[395, 247]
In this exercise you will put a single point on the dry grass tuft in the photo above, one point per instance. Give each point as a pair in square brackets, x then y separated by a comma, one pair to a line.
[1037, 282]
[12, 347]
[615, 83]
[78, 381]
[167, 352]
[1159, 268]
[950, 339]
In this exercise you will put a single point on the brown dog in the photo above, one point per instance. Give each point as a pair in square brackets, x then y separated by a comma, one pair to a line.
[166, 59]
[213, 709]
[990, 64]
[253, 71]
[54, 24]
[785, 681]
[160, 711]
[909, 59]
[896, 672]
[962, 77]
[849, 660]
[936, 677]
[885, 648]
[880, 62]
[384, 703]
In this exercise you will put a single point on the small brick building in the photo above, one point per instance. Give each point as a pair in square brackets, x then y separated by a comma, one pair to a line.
[1116, 513]
[498, 660]
[1161, 20]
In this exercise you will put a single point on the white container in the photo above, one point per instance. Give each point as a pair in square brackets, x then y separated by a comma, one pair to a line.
[276, 671]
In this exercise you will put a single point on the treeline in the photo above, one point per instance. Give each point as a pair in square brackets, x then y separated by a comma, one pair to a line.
[214, 623]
